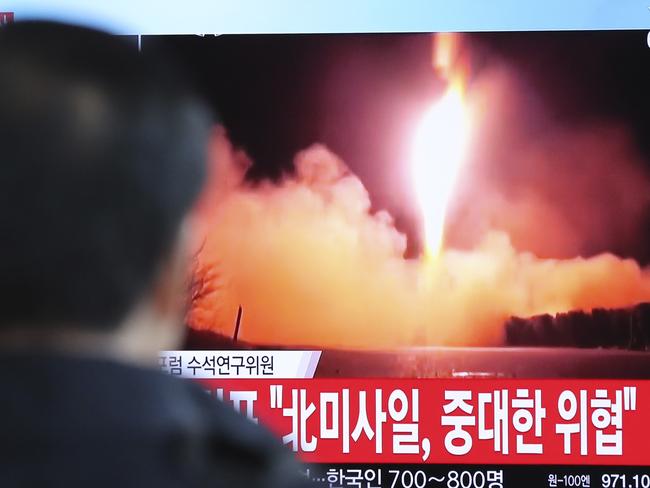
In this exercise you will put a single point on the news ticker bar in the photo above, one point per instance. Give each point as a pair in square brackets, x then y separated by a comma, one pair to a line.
[320, 16]
[475, 476]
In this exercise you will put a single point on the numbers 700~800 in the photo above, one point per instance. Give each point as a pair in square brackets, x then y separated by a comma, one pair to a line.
[453, 479]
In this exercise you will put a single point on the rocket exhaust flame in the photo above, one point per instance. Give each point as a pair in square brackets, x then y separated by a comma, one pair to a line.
[440, 144]
[446, 53]
[439, 148]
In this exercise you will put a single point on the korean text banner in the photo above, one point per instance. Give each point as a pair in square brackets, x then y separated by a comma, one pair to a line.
[450, 421]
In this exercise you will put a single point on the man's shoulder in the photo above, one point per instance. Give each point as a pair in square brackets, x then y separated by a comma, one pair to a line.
[208, 440]
[242, 451]
[89, 416]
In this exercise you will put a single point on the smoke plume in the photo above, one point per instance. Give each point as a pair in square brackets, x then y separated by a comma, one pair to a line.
[311, 264]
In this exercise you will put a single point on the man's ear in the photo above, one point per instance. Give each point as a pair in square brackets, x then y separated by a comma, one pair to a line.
[171, 289]
[158, 323]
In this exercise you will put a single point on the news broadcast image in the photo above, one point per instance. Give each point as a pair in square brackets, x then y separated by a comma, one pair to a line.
[428, 196]
[391, 217]
[424, 259]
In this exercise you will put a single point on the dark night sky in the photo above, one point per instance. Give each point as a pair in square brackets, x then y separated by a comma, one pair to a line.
[359, 94]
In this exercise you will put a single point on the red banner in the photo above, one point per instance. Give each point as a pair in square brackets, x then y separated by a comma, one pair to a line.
[449, 420]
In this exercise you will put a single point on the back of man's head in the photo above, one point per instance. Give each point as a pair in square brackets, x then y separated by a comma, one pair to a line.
[102, 154]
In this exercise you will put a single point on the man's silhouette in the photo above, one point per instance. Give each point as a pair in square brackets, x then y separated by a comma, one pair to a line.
[102, 155]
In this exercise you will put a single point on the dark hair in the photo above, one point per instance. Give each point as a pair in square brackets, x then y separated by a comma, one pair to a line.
[102, 153]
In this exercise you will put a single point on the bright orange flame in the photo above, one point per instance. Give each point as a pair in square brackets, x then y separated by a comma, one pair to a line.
[441, 141]
[446, 50]
[439, 149]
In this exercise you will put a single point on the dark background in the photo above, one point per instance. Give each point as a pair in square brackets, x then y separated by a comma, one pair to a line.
[360, 94]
